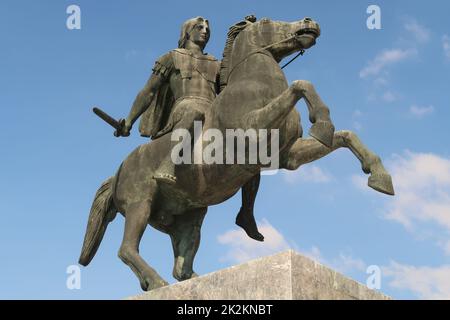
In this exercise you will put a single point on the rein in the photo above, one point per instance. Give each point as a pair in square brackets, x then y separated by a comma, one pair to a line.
[302, 51]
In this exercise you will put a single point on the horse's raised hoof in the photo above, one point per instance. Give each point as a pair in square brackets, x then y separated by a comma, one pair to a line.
[165, 178]
[249, 225]
[323, 131]
[381, 182]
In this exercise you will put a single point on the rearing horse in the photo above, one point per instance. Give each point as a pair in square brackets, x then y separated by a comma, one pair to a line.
[257, 96]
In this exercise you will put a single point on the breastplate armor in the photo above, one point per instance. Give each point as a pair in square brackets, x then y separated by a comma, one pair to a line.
[198, 74]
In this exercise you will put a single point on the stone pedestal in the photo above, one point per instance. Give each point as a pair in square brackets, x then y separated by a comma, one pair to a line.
[284, 276]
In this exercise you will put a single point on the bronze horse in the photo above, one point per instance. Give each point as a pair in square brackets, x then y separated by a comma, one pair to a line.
[257, 95]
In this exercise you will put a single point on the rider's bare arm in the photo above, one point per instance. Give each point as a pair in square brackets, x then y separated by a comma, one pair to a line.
[161, 72]
[144, 98]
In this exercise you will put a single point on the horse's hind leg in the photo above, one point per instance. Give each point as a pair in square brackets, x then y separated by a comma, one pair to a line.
[308, 150]
[136, 220]
[379, 179]
[185, 235]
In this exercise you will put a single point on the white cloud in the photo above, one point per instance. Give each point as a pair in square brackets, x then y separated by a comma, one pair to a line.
[243, 248]
[420, 33]
[343, 263]
[359, 182]
[446, 46]
[314, 253]
[407, 46]
[420, 112]
[422, 193]
[425, 282]
[445, 245]
[346, 263]
[422, 183]
[307, 173]
[385, 59]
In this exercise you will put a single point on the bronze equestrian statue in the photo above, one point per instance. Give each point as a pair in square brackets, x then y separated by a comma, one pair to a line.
[254, 94]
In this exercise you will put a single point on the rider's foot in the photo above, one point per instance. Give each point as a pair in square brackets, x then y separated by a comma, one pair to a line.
[246, 221]
[166, 178]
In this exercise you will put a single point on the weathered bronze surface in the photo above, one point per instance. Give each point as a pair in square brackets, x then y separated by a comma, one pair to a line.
[254, 94]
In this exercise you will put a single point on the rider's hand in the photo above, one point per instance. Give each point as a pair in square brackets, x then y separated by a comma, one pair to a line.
[125, 128]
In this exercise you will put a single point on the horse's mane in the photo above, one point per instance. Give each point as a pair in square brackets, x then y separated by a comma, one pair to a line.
[233, 32]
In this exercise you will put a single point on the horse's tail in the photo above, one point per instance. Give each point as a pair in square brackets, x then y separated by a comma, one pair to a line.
[102, 212]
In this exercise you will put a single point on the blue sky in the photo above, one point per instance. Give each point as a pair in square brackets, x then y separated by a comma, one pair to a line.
[391, 86]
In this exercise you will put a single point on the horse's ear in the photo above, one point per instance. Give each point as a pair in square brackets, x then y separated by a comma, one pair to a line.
[241, 24]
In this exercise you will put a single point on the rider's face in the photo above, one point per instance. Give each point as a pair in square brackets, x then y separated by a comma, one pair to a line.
[200, 34]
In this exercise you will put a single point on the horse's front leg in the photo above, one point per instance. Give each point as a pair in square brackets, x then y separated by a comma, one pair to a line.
[319, 114]
[274, 113]
[307, 150]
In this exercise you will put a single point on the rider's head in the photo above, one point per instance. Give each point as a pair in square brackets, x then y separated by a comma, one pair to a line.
[195, 30]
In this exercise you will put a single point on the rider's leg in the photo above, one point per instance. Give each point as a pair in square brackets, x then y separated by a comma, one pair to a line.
[245, 217]
[166, 171]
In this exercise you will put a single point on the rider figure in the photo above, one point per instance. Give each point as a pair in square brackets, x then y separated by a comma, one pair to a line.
[182, 87]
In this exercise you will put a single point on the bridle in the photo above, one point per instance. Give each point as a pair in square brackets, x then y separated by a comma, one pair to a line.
[264, 51]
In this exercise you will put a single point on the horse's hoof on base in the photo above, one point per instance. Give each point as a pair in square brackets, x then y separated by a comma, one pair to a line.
[381, 183]
[185, 277]
[323, 131]
[150, 285]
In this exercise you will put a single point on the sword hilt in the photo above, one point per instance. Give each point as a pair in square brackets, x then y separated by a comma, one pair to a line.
[118, 132]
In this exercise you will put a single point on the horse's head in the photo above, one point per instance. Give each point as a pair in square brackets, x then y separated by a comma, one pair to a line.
[281, 38]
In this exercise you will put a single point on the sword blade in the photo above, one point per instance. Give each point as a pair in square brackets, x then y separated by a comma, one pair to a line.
[107, 118]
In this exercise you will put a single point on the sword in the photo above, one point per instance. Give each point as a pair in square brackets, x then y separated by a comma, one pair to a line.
[116, 124]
